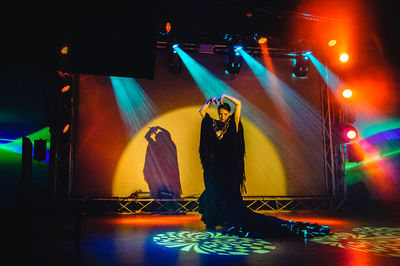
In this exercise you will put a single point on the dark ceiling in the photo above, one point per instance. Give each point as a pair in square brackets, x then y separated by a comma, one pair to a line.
[106, 41]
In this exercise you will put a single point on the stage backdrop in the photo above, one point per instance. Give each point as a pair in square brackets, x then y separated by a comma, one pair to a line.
[138, 134]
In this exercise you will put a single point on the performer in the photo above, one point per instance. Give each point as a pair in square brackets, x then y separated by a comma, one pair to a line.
[222, 151]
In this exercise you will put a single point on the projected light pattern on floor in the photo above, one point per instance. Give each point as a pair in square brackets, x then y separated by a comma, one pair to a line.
[383, 241]
[213, 243]
[135, 106]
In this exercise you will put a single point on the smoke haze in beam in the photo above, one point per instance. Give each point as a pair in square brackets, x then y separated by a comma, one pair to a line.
[135, 106]
[280, 136]
[297, 112]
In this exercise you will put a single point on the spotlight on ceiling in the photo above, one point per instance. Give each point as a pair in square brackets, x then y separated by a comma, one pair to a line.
[260, 39]
[233, 60]
[302, 64]
[175, 61]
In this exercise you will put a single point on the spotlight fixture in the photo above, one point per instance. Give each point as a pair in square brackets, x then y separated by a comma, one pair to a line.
[165, 27]
[302, 64]
[233, 60]
[347, 133]
[344, 57]
[347, 93]
[260, 39]
[64, 50]
[332, 43]
[175, 61]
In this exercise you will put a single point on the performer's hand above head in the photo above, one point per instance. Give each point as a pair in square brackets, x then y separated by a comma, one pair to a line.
[221, 98]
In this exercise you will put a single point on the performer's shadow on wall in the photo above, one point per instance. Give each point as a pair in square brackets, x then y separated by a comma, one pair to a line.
[161, 171]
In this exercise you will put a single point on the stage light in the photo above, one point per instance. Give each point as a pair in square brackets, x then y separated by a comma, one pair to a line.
[347, 133]
[332, 43]
[351, 134]
[347, 93]
[233, 63]
[233, 60]
[165, 27]
[301, 67]
[66, 128]
[65, 88]
[168, 26]
[344, 57]
[260, 39]
[64, 50]
[175, 61]
[237, 48]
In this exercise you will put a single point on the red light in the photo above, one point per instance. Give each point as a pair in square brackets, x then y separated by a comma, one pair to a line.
[262, 40]
[347, 133]
[168, 26]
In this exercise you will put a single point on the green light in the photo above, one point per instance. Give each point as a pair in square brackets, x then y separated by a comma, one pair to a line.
[351, 165]
[382, 241]
[380, 126]
[16, 145]
[212, 243]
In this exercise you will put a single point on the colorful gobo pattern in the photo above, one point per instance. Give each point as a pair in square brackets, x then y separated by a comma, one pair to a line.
[213, 243]
[383, 241]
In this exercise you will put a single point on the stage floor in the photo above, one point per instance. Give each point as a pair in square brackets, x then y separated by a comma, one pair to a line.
[182, 240]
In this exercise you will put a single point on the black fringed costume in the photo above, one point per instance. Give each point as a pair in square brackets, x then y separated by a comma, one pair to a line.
[221, 203]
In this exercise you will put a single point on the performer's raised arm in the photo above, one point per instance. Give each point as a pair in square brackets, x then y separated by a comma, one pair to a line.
[238, 107]
[205, 106]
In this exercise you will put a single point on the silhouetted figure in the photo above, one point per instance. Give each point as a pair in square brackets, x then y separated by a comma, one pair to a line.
[161, 170]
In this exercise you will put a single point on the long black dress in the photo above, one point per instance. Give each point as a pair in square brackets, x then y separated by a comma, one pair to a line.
[221, 203]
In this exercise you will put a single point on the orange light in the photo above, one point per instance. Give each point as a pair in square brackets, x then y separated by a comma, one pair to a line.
[262, 40]
[157, 220]
[168, 26]
[344, 57]
[332, 43]
[347, 93]
[64, 50]
[66, 88]
[66, 128]
[351, 134]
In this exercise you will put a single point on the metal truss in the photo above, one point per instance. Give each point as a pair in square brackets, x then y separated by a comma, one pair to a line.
[189, 205]
[332, 115]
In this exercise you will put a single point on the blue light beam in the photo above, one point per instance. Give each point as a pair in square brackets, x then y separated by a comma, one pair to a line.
[296, 111]
[333, 81]
[135, 106]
